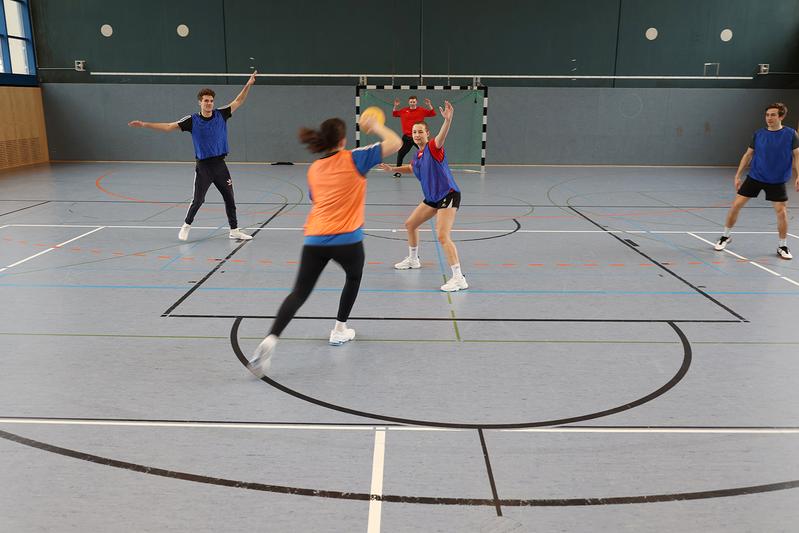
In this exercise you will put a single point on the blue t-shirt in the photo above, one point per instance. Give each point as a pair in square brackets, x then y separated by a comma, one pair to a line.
[209, 135]
[365, 159]
[432, 169]
[773, 154]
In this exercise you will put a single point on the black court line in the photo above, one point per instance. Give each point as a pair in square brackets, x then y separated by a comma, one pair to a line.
[678, 376]
[490, 472]
[658, 264]
[449, 319]
[219, 264]
[24, 208]
[344, 495]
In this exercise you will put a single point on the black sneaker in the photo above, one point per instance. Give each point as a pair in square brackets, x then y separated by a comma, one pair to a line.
[721, 243]
[397, 175]
[784, 252]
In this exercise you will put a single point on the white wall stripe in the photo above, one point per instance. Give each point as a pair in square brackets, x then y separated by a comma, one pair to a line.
[428, 76]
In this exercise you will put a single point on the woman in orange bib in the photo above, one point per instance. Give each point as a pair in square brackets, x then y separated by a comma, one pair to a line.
[334, 227]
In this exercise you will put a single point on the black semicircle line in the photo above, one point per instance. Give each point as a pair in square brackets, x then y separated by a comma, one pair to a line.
[683, 370]
[427, 500]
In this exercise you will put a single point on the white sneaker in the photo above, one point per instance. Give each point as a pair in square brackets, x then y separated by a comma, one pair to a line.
[262, 356]
[784, 252]
[721, 243]
[407, 263]
[236, 233]
[183, 234]
[455, 283]
[337, 338]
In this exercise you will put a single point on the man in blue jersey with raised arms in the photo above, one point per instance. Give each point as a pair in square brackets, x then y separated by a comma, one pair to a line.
[208, 130]
[774, 157]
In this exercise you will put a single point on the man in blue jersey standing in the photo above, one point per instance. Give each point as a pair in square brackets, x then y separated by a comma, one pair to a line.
[774, 154]
[208, 130]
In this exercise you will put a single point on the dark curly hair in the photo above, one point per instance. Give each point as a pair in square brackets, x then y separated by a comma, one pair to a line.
[205, 92]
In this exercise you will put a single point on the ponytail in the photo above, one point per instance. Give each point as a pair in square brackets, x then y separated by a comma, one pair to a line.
[327, 137]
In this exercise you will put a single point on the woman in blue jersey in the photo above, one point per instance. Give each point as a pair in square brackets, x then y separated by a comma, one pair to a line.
[442, 198]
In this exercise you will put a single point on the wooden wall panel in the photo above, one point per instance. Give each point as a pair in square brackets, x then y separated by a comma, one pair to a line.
[23, 138]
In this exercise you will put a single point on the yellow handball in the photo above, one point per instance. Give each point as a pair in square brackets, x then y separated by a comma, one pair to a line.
[373, 113]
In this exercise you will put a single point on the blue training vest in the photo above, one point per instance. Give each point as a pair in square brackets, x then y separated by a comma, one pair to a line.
[209, 136]
[435, 176]
[773, 156]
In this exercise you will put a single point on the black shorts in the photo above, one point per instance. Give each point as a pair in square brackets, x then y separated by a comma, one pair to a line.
[452, 199]
[775, 192]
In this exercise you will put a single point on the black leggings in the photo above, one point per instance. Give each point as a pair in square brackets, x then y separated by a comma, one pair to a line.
[207, 172]
[314, 259]
[407, 144]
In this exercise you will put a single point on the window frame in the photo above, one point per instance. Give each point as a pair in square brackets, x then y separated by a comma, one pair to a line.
[7, 76]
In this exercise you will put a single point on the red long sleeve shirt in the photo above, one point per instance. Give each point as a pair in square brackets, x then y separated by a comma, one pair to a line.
[409, 117]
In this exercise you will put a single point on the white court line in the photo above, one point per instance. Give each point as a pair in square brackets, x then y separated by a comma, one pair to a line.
[378, 460]
[750, 431]
[108, 226]
[384, 230]
[462, 230]
[51, 249]
[790, 280]
[165, 424]
[748, 260]
[303, 426]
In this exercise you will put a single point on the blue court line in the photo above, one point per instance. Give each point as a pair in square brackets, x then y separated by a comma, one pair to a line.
[396, 291]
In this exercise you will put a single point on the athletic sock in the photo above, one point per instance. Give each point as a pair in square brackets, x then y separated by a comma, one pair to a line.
[727, 231]
[340, 326]
[413, 252]
[783, 242]
[456, 271]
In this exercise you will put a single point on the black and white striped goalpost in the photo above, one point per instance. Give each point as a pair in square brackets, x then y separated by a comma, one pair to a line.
[359, 88]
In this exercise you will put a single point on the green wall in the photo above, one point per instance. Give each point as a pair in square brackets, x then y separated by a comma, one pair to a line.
[562, 37]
